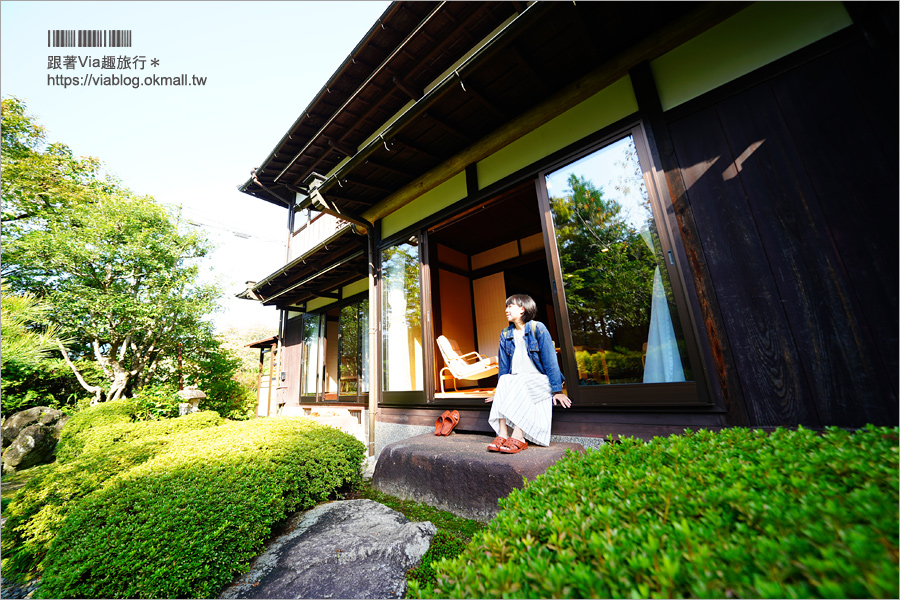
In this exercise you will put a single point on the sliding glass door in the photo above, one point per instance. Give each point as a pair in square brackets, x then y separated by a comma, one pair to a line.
[401, 324]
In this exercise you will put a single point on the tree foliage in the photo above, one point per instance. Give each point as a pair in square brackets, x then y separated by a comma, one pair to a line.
[25, 336]
[120, 274]
[27, 339]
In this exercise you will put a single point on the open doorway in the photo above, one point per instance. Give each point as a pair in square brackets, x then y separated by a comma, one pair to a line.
[479, 258]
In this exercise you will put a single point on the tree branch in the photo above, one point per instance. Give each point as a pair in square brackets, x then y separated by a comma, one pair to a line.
[94, 389]
[103, 360]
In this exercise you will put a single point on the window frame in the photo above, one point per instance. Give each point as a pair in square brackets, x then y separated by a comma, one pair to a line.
[688, 396]
[681, 394]
[319, 396]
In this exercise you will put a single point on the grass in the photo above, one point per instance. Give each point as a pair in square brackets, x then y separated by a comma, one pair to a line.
[452, 536]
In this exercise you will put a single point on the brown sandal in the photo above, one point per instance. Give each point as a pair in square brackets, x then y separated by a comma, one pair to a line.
[439, 424]
[496, 444]
[450, 421]
[512, 445]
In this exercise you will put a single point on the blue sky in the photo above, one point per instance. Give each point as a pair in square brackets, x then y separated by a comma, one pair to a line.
[193, 145]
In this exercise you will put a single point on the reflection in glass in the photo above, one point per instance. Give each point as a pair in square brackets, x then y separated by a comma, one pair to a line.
[309, 373]
[401, 319]
[364, 347]
[622, 314]
[354, 349]
[349, 350]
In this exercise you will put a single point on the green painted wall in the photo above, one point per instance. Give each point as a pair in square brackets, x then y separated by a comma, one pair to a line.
[318, 303]
[756, 36]
[452, 190]
[608, 106]
[357, 287]
[603, 108]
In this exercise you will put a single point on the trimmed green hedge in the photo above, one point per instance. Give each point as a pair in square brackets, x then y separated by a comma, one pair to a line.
[97, 438]
[184, 523]
[39, 509]
[107, 445]
[71, 444]
[739, 513]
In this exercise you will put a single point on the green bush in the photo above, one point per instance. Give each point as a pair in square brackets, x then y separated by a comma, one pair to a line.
[71, 442]
[39, 509]
[106, 450]
[740, 513]
[47, 383]
[97, 438]
[624, 365]
[156, 402]
[184, 523]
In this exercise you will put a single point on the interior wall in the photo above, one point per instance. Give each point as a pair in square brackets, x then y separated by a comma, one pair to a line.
[495, 255]
[490, 302]
[456, 310]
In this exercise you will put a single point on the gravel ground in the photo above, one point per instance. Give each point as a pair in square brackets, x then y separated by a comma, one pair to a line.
[13, 590]
[8, 589]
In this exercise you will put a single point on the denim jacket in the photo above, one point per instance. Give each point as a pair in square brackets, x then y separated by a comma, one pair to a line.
[540, 349]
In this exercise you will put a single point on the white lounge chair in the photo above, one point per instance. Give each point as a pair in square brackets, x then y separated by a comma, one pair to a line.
[464, 366]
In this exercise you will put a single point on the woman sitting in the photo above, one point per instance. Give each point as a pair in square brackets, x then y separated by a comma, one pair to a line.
[530, 381]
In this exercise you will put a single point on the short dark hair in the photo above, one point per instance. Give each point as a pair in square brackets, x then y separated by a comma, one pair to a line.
[526, 303]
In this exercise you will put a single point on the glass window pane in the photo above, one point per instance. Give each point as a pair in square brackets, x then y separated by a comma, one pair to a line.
[310, 367]
[624, 321]
[349, 350]
[401, 319]
[364, 347]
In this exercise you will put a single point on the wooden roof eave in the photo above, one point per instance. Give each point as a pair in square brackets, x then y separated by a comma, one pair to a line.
[267, 288]
[359, 89]
[343, 271]
[266, 343]
[366, 39]
[496, 43]
[579, 90]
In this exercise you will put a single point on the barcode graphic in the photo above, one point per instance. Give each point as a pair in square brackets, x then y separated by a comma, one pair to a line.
[90, 38]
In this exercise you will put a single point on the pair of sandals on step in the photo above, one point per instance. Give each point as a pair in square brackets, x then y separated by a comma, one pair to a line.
[447, 421]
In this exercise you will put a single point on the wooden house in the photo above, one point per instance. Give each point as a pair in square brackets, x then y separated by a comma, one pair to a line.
[701, 197]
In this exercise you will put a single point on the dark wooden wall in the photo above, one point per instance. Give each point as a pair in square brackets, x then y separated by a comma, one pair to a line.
[792, 181]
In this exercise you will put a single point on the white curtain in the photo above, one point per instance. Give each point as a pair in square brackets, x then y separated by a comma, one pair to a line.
[663, 363]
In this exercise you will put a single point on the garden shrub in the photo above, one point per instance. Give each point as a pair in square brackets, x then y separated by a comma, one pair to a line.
[186, 522]
[740, 513]
[156, 402]
[96, 438]
[71, 442]
[107, 450]
[39, 509]
[47, 383]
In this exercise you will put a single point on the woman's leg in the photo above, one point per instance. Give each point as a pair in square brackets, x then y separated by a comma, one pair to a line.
[503, 432]
[517, 432]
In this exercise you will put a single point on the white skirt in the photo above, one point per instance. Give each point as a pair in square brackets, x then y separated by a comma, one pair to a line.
[525, 401]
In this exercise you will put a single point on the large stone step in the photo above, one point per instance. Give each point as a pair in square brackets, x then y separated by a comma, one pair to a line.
[457, 474]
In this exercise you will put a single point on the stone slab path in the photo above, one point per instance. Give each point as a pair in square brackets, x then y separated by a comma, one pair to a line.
[345, 549]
